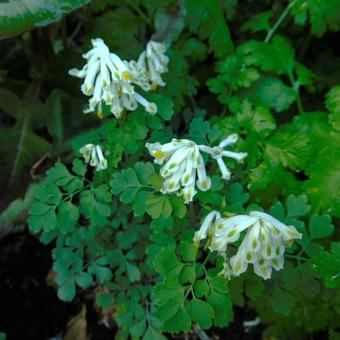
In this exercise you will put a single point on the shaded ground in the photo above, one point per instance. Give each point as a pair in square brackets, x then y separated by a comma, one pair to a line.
[30, 309]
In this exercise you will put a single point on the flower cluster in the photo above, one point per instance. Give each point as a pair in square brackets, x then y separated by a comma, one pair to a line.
[263, 244]
[93, 155]
[109, 79]
[184, 165]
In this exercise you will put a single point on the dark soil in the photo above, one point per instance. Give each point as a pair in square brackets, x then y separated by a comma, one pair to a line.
[30, 309]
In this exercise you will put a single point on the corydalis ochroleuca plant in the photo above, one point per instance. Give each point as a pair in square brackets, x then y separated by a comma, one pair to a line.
[184, 165]
[263, 244]
[110, 80]
[93, 155]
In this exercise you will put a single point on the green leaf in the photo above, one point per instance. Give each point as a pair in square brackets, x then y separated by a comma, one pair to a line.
[282, 302]
[79, 167]
[133, 272]
[67, 291]
[206, 17]
[297, 206]
[323, 15]
[201, 288]
[188, 251]
[180, 322]
[130, 181]
[201, 312]
[54, 118]
[94, 210]
[152, 334]
[199, 130]
[158, 206]
[223, 308]
[276, 56]
[104, 300]
[20, 16]
[320, 226]
[187, 274]
[166, 260]
[167, 310]
[46, 221]
[327, 264]
[165, 105]
[19, 147]
[138, 328]
[323, 185]
[235, 194]
[68, 215]
[271, 93]
[257, 118]
[84, 280]
[259, 22]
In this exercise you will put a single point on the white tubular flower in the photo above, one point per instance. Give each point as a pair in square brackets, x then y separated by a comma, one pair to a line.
[218, 153]
[208, 225]
[182, 162]
[93, 155]
[111, 80]
[101, 62]
[157, 62]
[263, 245]
[228, 230]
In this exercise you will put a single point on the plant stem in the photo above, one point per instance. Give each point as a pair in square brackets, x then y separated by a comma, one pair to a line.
[296, 87]
[138, 10]
[278, 22]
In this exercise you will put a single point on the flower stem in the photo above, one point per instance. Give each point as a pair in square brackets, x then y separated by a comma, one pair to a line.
[278, 22]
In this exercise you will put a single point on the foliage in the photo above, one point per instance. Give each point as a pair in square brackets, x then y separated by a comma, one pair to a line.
[233, 68]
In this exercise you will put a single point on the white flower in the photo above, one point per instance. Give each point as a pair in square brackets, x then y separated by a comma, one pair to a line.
[157, 62]
[208, 226]
[93, 154]
[263, 244]
[111, 80]
[183, 162]
[217, 153]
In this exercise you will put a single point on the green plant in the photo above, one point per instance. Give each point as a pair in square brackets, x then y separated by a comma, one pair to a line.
[129, 228]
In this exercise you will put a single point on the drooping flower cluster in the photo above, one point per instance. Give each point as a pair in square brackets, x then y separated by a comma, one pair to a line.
[93, 155]
[184, 165]
[263, 244]
[110, 80]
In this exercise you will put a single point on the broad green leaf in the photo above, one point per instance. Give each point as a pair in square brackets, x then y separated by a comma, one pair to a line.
[323, 15]
[259, 22]
[20, 16]
[297, 206]
[201, 288]
[282, 302]
[133, 272]
[327, 264]
[130, 181]
[271, 93]
[84, 280]
[323, 185]
[320, 226]
[158, 206]
[206, 18]
[67, 291]
[68, 215]
[201, 312]
[223, 308]
[180, 322]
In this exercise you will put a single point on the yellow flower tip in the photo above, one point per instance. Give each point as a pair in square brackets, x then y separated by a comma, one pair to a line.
[154, 86]
[159, 154]
[126, 76]
[100, 114]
